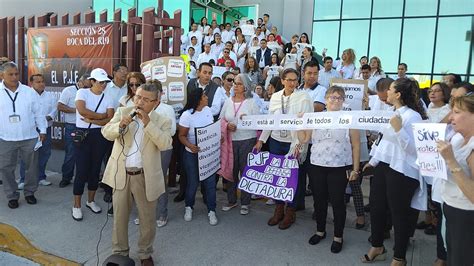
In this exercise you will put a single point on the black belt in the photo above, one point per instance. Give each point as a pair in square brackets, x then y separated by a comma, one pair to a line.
[135, 172]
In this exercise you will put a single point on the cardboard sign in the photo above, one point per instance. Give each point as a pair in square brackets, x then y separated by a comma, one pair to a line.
[208, 139]
[269, 175]
[354, 89]
[430, 161]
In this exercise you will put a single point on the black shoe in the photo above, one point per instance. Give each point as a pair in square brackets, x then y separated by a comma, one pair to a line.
[316, 238]
[1, 182]
[336, 247]
[30, 199]
[179, 198]
[13, 204]
[422, 225]
[64, 183]
[110, 212]
[108, 197]
[430, 230]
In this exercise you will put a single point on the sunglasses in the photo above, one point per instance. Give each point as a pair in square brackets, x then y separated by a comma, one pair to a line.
[230, 80]
[134, 84]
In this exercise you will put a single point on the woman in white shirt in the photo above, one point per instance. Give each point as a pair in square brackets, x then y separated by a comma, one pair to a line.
[242, 103]
[335, 160]
[93, 110]
[134, 80]
[273, 70]
[376, 72]
[240, 49]
[458, 191]
[357, 73]
[346, 66]
[195, 114]
[396, 175]
[282, 142]
[203, 26]
[439, 94]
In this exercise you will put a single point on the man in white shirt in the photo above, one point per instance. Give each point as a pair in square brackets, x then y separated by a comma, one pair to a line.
[218, 46]
[327, 73]
[184, 42]
[197, 46]
[20, 121]
[47, 102]
[259, 34]
[118, 87]
[67, 106]
[206, 56]
[227, 34]
[195, 32]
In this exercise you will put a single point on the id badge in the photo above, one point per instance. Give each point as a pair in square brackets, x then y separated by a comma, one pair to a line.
[283, 133]
[327, 135]
[14, 119]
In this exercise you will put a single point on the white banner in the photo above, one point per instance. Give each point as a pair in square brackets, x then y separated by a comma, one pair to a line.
[354, 89]
[430, 161]
[369, 120]
[208, 139]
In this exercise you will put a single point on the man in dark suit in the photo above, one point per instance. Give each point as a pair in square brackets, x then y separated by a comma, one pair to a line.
[264, 55]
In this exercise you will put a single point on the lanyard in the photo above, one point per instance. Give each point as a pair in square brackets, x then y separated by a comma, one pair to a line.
[12, 99]
[237, 110]
[283, 110]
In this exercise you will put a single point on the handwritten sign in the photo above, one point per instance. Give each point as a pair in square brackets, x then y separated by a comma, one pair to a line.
[208, 139]
[368, 120]
[354, 89]
[430, 161]
[271, 176]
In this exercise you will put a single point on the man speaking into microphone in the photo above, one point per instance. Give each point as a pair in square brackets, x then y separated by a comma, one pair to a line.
[139, 134]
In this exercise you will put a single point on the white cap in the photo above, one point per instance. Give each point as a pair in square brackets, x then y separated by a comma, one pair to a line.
[99, 74]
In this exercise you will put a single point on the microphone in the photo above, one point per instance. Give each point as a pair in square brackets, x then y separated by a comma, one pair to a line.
[134, 113]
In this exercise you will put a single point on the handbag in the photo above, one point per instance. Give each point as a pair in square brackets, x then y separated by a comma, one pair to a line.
[79, 135]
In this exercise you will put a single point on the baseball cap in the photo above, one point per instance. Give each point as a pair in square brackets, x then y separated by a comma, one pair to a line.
[99, 74]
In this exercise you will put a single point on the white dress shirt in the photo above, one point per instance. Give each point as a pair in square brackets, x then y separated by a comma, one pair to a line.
[325, 77]
[134, 156]
[397, 149]
[114, 93]
[27, 107]
[198, 35]
[347, 72]
[227, 36]
[48, 105]
[374, 77]
[217, 49]
[68, 98]
[205, 57]
[219, 99]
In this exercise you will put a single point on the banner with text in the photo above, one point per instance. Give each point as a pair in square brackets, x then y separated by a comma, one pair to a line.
[63, 54]
[354, 89]
[430, 161]
[208, 139]
[368, 120]
[271, 176]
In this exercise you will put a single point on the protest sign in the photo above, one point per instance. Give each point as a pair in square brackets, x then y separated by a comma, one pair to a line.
[430, 161]
[368, 120]
[354, 89]
[271, 176]
[300, 47]
[217, 71]
[247, 29]
[208, 139]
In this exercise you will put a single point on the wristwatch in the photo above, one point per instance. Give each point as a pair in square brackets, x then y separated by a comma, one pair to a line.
[455, 170]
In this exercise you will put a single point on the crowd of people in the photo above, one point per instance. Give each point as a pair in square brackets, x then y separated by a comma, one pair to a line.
[119, 121]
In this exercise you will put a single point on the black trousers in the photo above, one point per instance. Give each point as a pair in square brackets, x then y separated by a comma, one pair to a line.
[459, 236]
[440, 249]
[392, 190]
[329, 183]
[302, 174]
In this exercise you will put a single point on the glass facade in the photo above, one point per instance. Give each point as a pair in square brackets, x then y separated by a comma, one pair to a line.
[432, 37]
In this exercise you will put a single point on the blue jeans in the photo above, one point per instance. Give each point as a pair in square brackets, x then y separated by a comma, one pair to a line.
[69, 158]
[43, 156]
[281, 148]
[190, 161]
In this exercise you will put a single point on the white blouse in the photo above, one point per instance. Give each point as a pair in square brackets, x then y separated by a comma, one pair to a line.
[331, 148]
[231, 112]
[436, 114]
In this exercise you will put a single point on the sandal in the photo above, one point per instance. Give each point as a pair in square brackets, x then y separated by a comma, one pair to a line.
[400, 261]
[379, 257]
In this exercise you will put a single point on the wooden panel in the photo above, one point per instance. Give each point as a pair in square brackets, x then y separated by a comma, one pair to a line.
[65, 19]
[117, 37]
[21, 51]
[53, 20]
[3, 37]
[131, 39]
[89, 16]
[76, 19]
[11, 38]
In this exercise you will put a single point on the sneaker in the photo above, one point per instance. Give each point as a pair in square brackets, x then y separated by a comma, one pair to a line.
[188, 214]
[136, 221]
[255, 197]
[212, 218]
[64, 183]
[162, 221]
[110, 212]
[21, 186]
[270, 202]
[77, 214]
[229, 207]
[93, 207]
[244, 210]
[44, 182]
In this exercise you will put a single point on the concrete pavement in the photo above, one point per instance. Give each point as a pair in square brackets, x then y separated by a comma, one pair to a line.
[236, 240]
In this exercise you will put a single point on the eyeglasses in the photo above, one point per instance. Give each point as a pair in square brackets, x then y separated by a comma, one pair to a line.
[144, 99]
[230, 80]
[134, 84]
[291, 80]
[336, 98]
[435, 91]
